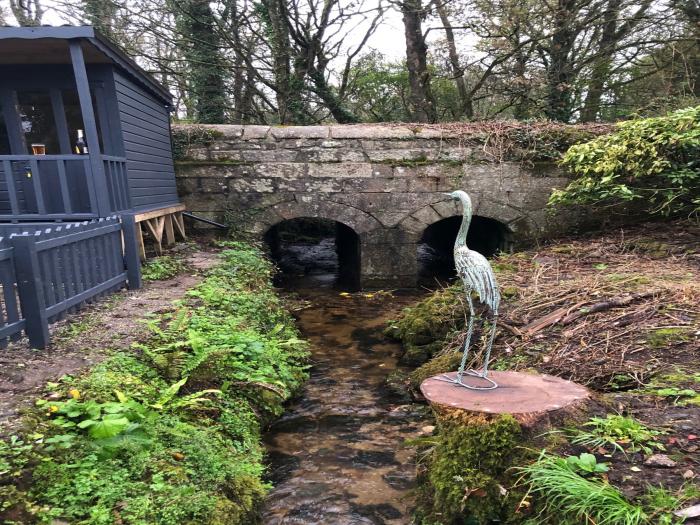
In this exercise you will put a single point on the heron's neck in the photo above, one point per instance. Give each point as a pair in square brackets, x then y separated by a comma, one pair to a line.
[466, 221]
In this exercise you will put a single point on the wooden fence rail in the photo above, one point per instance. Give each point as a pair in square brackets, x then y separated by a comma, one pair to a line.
[59, 269]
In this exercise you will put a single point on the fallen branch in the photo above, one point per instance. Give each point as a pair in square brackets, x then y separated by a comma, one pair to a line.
[604, 305]
[548, 320]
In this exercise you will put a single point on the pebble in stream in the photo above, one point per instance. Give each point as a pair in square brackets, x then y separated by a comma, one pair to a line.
[337, 456]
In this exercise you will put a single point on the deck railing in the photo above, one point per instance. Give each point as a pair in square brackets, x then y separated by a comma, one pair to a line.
[58, 187]
[57, 270]
[117, 182]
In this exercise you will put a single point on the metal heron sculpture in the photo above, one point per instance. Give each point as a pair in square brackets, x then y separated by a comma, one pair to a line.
[477, 276]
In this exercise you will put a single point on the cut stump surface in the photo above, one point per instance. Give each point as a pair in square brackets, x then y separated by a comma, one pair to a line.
[525, 396]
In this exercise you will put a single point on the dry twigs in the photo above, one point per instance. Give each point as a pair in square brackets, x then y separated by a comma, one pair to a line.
[617, 305]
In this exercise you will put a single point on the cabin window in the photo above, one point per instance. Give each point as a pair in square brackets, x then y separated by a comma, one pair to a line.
[74, 117]
[37, 119]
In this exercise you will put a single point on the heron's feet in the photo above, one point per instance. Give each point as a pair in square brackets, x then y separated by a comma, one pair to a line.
[459, 380]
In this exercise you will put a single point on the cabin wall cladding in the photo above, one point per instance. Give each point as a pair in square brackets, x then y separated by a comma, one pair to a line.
[385, 182]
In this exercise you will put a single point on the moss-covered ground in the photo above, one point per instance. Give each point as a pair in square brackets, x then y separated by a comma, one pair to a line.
[618, 312]
[169, 431]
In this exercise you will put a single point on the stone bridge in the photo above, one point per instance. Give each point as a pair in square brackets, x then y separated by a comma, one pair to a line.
[384, 182]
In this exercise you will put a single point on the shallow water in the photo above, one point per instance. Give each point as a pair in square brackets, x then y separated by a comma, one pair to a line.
[336, 455]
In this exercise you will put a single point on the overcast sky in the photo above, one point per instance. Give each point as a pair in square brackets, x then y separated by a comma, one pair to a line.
[388, 38]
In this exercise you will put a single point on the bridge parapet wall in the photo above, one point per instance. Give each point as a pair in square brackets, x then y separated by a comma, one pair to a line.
[386, 182]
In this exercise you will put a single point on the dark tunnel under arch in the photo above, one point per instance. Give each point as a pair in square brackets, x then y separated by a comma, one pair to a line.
[435, 259]
[315, 246]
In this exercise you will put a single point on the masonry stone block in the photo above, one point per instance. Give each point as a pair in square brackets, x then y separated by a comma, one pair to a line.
[268, 155]
[368, 131]
[299, 132]
[281, 169]
[340, 170]
[255, 132]
[331, 155]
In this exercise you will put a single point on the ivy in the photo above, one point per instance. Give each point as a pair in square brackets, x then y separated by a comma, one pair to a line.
[652, 161]
[186, 137]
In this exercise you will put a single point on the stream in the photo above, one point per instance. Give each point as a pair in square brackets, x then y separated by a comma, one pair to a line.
[336, 456]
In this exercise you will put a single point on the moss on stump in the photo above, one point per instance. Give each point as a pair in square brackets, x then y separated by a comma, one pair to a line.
[464, 478]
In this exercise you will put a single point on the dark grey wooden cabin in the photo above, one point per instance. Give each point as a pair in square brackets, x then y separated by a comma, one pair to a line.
[55, 81]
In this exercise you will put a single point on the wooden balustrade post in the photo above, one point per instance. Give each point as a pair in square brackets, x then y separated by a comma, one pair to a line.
[29, 288]
[99, 177]
[132, 256]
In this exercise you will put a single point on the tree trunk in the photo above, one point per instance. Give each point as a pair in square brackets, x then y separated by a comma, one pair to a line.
[466, 107]
[521, 108]
[420, 95]
[205, 64]
[560, 70]
[101, 14]
[331, 99]
[27, 12]
[691, 10]
[602, 63]
[288, 86]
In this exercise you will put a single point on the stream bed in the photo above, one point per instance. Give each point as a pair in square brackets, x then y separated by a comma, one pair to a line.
[337, 454]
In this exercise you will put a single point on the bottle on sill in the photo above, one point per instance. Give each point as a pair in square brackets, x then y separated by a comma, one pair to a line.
[80, 145]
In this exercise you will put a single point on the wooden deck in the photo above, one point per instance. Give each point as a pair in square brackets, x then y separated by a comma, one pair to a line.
[161, 225]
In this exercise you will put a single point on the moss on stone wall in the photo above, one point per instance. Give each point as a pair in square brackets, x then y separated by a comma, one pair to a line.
[185, 137]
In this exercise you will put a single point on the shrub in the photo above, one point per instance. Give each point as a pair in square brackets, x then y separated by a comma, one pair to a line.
[655, 161]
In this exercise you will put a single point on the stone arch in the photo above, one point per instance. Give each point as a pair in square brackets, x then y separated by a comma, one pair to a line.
[359, 221]
[416, 222]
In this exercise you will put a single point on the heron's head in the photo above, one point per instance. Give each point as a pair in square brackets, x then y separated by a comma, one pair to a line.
[458, 195]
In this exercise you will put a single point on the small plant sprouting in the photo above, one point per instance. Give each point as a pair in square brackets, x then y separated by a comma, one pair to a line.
[161, 268]
[621, 433]
[586, 463]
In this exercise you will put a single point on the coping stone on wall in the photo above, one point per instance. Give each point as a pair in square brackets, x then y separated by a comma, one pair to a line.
[300, 132]
[255, 132]
[363, 131]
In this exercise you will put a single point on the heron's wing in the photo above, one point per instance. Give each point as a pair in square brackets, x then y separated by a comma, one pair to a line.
[477, 274]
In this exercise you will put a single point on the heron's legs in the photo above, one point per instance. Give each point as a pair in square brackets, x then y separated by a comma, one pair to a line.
[492, 336]
[468, 337]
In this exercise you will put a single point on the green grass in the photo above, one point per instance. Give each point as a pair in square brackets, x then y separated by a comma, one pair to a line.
[571, 498]
[170, 433]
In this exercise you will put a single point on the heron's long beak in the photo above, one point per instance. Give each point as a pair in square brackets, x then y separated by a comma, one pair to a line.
[448, 194]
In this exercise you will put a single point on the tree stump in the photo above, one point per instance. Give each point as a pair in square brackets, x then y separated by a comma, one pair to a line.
[529, 398]
[470, 472]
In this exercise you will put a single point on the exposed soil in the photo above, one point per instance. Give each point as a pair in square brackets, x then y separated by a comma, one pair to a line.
[85, 338]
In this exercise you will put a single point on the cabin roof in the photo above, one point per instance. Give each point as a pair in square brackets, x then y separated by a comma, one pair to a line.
[45, 45]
